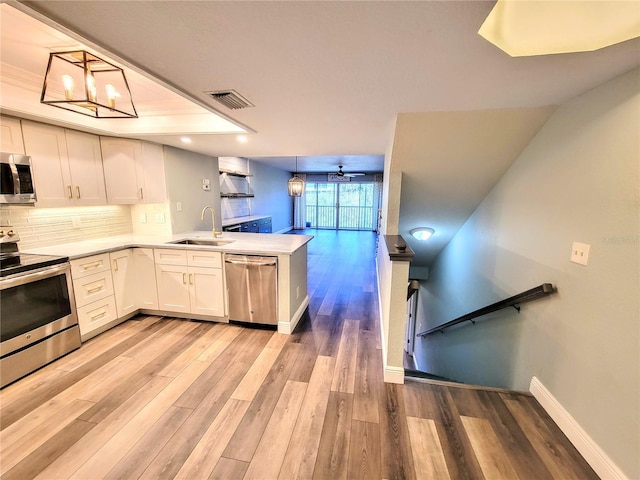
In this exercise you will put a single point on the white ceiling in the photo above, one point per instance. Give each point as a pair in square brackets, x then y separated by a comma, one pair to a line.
[326, 78]
[329, 80]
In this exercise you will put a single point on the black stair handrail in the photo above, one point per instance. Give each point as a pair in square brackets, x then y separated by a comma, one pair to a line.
[532, 294]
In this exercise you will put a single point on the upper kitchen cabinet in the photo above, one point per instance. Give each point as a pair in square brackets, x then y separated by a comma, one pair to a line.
[133, 171]
[67, 165]
[11, 135]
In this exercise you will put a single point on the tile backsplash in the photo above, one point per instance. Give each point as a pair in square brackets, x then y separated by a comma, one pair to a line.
[41, 227]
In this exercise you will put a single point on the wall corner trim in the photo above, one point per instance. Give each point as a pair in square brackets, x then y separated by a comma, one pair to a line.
[393, 374]
[287, 328]
[588, 448]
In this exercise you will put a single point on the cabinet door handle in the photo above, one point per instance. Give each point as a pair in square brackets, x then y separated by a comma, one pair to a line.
[70, 196]
[78, 191]
[115, 264]
[184, 278]
[141, 194]
[95, 289]
[99, 315]
[190, 279]
[92, 265]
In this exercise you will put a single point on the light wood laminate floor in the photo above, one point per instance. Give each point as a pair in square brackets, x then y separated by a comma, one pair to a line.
[163, 398]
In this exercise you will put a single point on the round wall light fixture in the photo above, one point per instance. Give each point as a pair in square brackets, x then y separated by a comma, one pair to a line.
[422, 233]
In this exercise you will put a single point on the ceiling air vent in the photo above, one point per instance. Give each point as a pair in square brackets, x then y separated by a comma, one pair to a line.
[231, 99]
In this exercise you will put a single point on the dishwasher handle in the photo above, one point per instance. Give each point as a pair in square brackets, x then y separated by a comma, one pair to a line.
[251, 264]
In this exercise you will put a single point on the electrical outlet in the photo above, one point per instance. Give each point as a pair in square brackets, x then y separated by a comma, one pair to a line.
[160, 218]
[178, 206]
[580, 253]
[76, 222]
[143, 218]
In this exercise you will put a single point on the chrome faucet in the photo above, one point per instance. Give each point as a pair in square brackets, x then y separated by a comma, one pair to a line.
[213, 221]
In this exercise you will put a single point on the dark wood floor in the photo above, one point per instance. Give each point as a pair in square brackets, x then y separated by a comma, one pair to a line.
[168, 398]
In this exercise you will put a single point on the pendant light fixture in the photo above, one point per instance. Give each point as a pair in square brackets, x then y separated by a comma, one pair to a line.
[84, 83]
[296, 184]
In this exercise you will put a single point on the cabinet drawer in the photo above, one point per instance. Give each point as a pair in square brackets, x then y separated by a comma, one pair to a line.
[166, 256]
[92, 288]
[204, 259]
[81, 267]
[96, 314]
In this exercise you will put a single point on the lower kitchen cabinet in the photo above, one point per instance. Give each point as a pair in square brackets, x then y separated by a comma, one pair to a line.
[145, 287]
[123, 272]
[93, 293]
[186, 287]
[173, 289]
[206, 289]
[94, 316]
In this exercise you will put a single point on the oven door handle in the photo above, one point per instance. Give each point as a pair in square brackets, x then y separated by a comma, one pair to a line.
[16, 177]
[46, 272]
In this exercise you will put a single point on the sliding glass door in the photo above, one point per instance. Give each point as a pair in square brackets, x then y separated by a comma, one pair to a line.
[345, 206]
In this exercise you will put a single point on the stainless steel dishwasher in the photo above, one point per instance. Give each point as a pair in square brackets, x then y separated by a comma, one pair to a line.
[252, 288]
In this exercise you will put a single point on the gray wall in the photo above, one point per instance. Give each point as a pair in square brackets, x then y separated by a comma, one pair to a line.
[184, 172]
[578, 180]
[269, 185]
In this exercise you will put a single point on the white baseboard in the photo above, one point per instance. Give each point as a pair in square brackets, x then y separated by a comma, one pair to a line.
[288, 327]
[588, 448]
[393, 374]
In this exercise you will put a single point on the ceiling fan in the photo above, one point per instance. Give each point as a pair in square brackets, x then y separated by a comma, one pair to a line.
[340, 173]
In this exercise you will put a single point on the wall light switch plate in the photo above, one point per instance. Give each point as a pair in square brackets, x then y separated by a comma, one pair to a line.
[580, 253]
[143, 218]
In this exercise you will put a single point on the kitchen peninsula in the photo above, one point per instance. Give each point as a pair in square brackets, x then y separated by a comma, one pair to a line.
[132, 261]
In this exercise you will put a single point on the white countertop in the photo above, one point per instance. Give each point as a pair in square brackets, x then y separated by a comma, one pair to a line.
[247, 243]
[237, 220]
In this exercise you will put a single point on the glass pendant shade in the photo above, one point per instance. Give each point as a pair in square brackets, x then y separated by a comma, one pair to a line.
[296, 186]
[84, 83]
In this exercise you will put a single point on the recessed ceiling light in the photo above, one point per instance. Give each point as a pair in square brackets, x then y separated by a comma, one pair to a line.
[422, 233]
[185, 140]
[242, 138]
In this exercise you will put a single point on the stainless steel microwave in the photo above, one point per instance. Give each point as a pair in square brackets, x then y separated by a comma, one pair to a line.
[16, 179]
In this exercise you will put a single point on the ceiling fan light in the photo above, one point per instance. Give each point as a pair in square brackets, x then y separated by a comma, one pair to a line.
[422, 233]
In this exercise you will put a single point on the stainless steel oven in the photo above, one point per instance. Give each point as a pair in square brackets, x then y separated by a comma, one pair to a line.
[38, 321]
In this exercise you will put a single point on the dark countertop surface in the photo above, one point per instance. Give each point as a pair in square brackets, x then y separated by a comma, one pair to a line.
[394, 247]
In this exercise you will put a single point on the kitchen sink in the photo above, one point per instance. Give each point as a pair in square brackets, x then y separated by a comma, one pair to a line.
[202, 241]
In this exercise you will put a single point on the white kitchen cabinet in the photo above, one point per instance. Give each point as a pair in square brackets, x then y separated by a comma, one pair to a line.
[67, 166]
[133, 171]
[125, 283]
[94, 294]
[11, 135]
[85, 164]
[146, 278]
[206, 290]
[123, 174]
[91, 288]
[185, 286]
[153, 171]
[82, 267]
[96, 316]
[173, 288]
